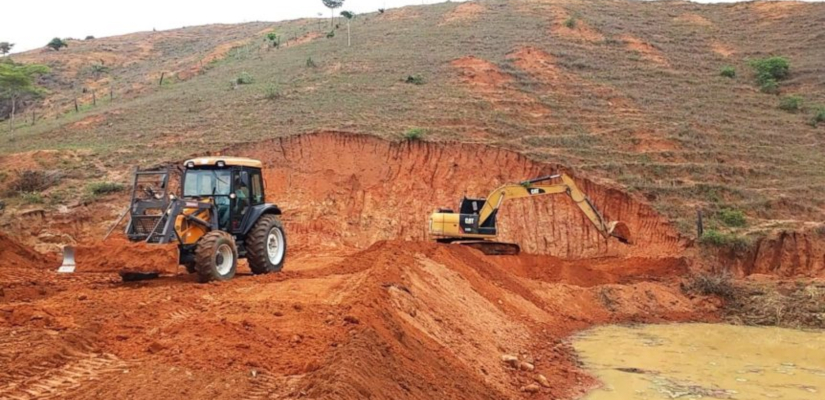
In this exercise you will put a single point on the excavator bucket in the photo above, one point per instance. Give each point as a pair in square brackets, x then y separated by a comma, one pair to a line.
[68, 265]
[621, 231]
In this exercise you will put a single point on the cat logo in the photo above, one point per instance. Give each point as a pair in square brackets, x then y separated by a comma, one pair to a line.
[469, 220]
[535, 191]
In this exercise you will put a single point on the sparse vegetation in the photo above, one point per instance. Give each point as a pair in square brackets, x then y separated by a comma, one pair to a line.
[819, 116]
[244, 79]
[104, 188]
[415, 134]
[274, 39]
[330, 34]
[728, 72]
[769, 71]
[711, 284]
[713, 237]
[311, 63]
[732, 218]
[31, 198]
[272, 92]
[33, 181]
[90, 37]
[791, 104]
[416, 79]
[570, 23]
[56, 44]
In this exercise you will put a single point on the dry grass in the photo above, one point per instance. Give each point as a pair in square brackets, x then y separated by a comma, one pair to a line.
[797, 305]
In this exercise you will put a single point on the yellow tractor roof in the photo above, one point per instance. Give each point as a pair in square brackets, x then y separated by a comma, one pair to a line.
[228, 161]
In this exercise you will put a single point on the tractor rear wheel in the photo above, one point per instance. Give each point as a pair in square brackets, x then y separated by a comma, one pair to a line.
[266, 245]
[216, 257]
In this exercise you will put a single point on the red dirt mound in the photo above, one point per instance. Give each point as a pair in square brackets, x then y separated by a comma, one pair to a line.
[13, 255]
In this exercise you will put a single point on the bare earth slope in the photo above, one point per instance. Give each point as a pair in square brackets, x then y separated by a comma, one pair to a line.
[631, 93]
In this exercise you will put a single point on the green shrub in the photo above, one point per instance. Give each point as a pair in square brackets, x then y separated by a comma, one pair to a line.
[570, 23]
[311, 63]
[415, 79]
[734, 218]
[769, 71]
[819, 116]
[31, 198]
[791, 103]
[103, 188]
[272, 92]
[728, 72]
[712, 237]
[244, 79]
[414, 134]
[331, 34]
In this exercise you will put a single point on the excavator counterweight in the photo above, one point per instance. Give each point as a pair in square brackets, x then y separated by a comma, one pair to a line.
[474, 224]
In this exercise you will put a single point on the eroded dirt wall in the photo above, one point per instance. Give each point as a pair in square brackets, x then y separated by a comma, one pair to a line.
[340, 189]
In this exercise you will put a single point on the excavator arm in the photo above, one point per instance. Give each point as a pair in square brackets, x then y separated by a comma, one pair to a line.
[567, 186]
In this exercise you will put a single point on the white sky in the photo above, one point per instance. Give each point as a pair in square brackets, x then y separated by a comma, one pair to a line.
[30, 26]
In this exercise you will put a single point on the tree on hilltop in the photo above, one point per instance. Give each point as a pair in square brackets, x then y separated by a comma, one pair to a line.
[5, 47]
[57, 43]
[332, 5]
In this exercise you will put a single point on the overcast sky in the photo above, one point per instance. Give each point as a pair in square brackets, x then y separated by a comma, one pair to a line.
[30, 26]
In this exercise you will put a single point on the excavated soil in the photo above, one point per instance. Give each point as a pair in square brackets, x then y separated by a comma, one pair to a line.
[366, 306]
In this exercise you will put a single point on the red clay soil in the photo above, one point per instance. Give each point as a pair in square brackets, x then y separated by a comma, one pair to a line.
[397, 320]
[366, 306]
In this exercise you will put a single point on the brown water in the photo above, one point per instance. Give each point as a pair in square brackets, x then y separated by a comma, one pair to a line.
[692, 361]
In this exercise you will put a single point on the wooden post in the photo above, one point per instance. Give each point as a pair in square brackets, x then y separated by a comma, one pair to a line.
[34, 117]
[111, 93]
[161, 78]
[700, 228]
[94, 99]
[76, 108]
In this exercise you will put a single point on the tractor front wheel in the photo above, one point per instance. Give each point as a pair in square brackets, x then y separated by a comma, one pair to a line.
[216, 257]
[266, 245]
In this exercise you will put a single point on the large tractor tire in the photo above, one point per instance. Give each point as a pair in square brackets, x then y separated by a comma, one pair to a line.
[266, 245]
[216, 257]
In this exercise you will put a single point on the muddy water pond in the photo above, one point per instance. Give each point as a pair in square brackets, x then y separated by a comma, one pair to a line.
[693, 361]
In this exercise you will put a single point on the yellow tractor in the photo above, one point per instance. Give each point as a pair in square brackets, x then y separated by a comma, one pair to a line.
[221, 216]
[475, 223]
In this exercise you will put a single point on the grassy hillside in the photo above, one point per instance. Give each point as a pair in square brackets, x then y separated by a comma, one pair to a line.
[623, 91]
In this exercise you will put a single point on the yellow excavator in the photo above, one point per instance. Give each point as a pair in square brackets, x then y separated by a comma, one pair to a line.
[475, 223]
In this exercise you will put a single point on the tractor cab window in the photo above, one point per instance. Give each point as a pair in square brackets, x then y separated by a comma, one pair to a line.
[206, 182]
[257, 188]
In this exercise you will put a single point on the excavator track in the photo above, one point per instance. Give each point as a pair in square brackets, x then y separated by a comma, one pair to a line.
[488, 247]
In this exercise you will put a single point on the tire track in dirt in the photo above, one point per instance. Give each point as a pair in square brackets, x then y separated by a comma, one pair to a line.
[51, 383]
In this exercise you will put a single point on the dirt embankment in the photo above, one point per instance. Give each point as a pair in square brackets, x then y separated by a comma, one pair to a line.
[783, 254]
[353, 190]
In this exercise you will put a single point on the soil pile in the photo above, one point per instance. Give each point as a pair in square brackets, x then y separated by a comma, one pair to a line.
[400, 319]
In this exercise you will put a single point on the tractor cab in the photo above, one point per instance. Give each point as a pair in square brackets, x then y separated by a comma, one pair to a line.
[234, 185]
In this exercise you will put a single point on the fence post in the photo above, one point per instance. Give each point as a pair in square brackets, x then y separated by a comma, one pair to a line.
[700, 228]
